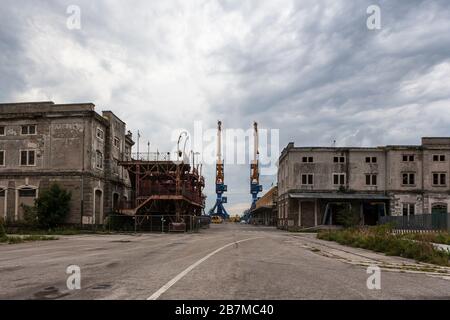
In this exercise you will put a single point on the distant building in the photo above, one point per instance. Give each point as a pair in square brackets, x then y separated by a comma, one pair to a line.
[70, 144]
[265, 212]
[315, 183]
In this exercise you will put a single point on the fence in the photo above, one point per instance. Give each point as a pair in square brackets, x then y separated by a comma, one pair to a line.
[156, 223]
[421, 222]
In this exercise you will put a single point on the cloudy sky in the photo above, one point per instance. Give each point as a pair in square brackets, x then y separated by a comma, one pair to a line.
[310, 68]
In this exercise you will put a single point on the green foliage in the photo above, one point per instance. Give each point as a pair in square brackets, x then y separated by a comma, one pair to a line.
[2, 229]
[52, 206]
[30, 217]
[19, 239]
[347, 218]
[381, 239]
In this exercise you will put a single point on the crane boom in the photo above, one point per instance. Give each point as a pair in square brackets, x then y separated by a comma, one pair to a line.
[255, 187]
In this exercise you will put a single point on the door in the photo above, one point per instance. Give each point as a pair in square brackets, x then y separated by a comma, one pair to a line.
[439, 216]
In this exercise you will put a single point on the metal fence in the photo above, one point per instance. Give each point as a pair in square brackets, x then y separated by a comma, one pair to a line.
[156, 223]
[435, 221]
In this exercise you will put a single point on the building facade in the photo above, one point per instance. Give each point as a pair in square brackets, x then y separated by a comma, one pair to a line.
[265, 211]
[315, 183]
[42, 143]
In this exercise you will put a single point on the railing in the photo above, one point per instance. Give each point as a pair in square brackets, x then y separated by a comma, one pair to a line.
[435, 221]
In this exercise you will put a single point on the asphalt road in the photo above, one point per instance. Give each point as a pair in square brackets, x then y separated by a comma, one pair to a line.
[227, 261]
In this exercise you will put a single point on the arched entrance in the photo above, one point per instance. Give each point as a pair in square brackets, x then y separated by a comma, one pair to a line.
[25, 196]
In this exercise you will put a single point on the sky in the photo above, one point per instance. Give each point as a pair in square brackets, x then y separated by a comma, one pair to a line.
[309, 71]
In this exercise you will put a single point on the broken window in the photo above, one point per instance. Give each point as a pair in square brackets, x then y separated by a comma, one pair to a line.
[408, 157]
[371, 159]
[307, 159]
[117, 142]
[2, 130]
[99, 160]
[2, 157]
[100, 134]
[408, 178]
[408, 209]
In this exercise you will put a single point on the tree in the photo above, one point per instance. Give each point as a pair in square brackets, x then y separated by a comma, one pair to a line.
[2, 229]
[347, 217]
[52, 206]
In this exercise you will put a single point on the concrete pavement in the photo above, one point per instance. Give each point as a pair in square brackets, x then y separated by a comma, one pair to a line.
[212, 264]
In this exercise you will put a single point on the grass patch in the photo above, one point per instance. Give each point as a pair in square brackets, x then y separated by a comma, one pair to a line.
[437, 237]
[381, 239]
[21, 239]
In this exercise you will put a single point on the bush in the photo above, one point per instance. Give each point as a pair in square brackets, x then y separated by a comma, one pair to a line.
[52, 206]
[347, 218]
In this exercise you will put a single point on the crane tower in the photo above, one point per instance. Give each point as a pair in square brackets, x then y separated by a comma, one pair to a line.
[255, 187]
[218, 208]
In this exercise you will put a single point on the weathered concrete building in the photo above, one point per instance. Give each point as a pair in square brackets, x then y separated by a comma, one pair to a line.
[314, 183]
[71, 144]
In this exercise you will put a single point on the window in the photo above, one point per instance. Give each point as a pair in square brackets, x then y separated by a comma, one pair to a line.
[408, 157]
[408, 209]
[308, 159]
[408, 178]
[100, 134]
[307, 179]
[2, 130]
[27, 192]
[2, 157]
[99, 160]
[439, 157]
[339, 179]
[439, 179]
[116, 166]
[371, 179]
[340, 159]
[117, 142]
[27, 157]
[371, 159]
[29, 129]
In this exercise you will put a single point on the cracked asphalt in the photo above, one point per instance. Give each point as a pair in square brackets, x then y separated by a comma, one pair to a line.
[273, 264]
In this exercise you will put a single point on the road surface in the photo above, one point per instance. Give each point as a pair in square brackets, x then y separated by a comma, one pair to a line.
[227, 261]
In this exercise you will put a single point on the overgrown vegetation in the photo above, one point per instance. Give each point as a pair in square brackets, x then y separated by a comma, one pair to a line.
[381, 239]
[21, 239]
[52, 206]
[438, 237]
[347, 217]
[2, 230]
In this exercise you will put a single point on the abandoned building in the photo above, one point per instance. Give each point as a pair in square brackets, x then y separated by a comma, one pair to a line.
[265, 211]
[42, 143]
[316, 183]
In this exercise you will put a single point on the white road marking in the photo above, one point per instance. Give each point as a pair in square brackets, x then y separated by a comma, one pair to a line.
[169, 284]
